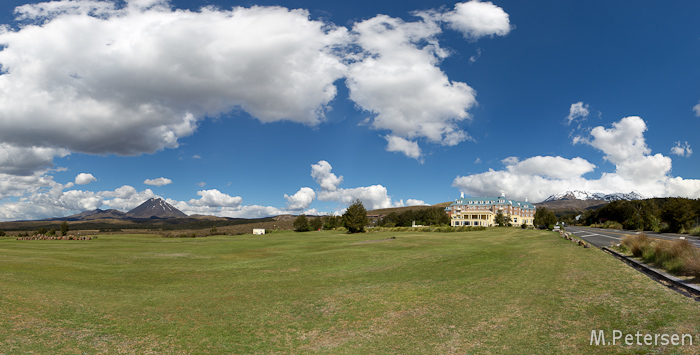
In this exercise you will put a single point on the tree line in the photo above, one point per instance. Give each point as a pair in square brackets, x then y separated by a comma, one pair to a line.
[354, 219]
[674, 215]
[425, 216]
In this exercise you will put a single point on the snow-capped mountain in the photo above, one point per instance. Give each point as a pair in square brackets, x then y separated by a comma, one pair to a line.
[588, 195]
[155, 207]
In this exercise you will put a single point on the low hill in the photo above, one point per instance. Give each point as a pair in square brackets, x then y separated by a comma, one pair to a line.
[571, 205]
[386, 211]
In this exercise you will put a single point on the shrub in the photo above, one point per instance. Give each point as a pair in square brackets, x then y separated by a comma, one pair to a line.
[612, 225]
[695, 231]
[680, 247]
[674, 266]
[649, 255]
[637, 244]
[661, 252]
[691, 263]
[301, 224]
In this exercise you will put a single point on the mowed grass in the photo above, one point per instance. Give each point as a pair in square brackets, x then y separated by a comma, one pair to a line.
[502, 290]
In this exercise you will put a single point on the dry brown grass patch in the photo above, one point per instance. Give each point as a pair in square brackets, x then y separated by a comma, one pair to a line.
[637, 243]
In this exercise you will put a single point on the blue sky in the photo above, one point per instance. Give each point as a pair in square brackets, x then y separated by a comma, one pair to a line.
[256, 108]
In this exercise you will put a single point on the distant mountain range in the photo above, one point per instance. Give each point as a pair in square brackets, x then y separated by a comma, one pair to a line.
[587, 195]
[153, 208]
[579, 201]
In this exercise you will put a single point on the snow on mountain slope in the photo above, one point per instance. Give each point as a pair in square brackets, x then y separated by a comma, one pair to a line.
[588, 195]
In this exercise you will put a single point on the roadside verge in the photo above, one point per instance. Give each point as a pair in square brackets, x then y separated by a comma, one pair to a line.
[681, 286]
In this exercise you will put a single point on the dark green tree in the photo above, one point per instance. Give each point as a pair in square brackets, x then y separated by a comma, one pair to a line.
[316, 223]
[301, 224]
[331, 222]
[64, 228]
[679, 214]
[42, 230]
[500, 219]
[355, 218]
[545, 217]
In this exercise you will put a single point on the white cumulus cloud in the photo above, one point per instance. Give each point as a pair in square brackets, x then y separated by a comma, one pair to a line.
[476, 19]
[548, 166]
[300, 200]
[372, 197]
[400, 83]
[622, 144]
[215, 198]
[142, 75]
[414, 202]
[321, 172]
[402, 145]
[84, 179]
[161, 181]
[126, 197]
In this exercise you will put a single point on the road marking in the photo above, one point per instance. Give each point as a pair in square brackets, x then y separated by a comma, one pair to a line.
[694, 243]
[600, 235]
[595, 234]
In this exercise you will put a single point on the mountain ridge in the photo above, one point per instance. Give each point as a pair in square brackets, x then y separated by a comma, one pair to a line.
[155, 207]
[151, 208]
[588, 195]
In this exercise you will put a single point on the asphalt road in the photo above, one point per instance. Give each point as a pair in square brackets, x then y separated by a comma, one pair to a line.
[606, 237]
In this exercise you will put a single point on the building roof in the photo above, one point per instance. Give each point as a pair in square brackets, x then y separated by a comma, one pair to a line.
[489, 201]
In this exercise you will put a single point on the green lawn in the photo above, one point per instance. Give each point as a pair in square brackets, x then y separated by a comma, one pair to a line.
[502, 290]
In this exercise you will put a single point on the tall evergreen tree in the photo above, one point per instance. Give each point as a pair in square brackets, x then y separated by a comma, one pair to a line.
[355, 218]
[64, 228]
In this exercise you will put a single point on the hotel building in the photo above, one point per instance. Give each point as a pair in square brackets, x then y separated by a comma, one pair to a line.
[482, 211]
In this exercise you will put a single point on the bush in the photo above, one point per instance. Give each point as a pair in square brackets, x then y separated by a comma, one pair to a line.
[676, 257]
[301, 224]
[691, 264]
[445, 229]
[636, 244]
[680, 247]
[612, 225]
[695, 231]
[674, 266]
[661, 252]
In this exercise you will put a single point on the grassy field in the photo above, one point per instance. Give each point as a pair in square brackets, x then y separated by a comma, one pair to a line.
[503, 290]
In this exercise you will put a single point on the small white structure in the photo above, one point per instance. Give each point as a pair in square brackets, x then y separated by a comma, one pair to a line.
[258, 231]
